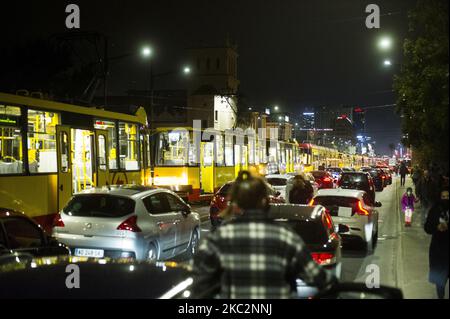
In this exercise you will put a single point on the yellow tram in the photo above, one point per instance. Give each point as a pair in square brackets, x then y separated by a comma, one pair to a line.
[50, 150]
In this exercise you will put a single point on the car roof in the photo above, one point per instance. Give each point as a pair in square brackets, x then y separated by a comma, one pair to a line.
[354, 173]
[6, 212]
[355, 193]
[294, 211]
[286, 176]
[120, 190]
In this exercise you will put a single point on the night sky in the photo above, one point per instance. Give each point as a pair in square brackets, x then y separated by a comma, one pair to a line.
[292, 53]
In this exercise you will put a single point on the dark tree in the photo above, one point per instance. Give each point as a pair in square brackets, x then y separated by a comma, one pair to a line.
[422, 85]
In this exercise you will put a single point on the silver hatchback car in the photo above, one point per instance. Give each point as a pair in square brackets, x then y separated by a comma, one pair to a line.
[128, 221]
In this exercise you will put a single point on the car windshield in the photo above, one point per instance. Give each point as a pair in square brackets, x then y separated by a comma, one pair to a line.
[100, 205]
[312, 232]
[277, 181]
[332, 203]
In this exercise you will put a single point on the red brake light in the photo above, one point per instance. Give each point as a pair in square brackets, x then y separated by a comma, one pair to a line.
[130, 224]
[327, 179]
[361, 210]
[57, 221]
[323, 258]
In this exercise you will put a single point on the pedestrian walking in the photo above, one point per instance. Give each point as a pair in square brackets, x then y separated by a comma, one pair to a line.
[407, 202]
[403, 170]
[250, 256]
[437, 226]
[299, 190]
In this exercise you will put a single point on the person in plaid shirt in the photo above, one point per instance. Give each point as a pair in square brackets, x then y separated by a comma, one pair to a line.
[251, 257]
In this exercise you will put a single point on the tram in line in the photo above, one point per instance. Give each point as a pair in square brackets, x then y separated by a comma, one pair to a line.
[51, 150]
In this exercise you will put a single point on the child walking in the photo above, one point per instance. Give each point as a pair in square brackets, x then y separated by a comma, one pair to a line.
[408, 201]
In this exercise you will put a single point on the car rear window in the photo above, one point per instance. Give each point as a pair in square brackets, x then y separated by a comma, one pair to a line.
[100, 205]
[225, 189]
[318, 174]
[275, 181]
[312, 232]
[353, 179]
[332, 203]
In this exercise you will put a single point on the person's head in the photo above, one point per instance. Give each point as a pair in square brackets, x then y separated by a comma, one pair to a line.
[249, 192]
[409, 191]
[444, 195]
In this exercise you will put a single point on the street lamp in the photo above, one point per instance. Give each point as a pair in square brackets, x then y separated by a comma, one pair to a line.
[187, 70]
[276, 108]
[387, 63]
[146, 52]
[385, 43]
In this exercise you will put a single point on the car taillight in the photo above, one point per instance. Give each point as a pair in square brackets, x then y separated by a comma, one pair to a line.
[311, 202]
[323, 258]
[327, 179]
[57, 221]
[130, 224]
[360, 210]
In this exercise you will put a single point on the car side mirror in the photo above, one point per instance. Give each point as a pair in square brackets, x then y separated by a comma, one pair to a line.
[187, 210]
[377, 204]
[342, 229]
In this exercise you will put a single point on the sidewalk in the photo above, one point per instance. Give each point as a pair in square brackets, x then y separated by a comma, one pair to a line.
[414, 249]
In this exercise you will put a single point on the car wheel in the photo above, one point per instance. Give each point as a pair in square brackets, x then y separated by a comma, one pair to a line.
[152, 253]
[193, 245]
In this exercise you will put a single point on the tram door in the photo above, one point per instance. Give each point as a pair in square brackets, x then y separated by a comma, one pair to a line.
[207, 167]
[82, 147]
[102, 167]
[64, 165]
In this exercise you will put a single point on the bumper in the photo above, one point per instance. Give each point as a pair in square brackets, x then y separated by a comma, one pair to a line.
[360, 229]
[304, 291]
[114, 247]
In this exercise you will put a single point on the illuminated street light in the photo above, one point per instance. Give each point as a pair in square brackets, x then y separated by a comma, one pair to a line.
[276, 108]
[146, 52]
[385, 43]
[187, 70]
[387, 63]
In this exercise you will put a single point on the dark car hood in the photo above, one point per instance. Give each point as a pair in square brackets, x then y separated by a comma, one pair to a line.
[99, 279]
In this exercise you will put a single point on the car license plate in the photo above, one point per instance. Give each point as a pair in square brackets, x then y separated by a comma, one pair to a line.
[345, 212]
[96, 253]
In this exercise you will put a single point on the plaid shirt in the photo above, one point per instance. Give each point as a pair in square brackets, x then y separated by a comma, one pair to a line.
[254, 258]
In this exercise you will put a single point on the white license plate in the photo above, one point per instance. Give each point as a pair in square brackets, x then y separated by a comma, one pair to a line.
[96, 253]
[345, 212]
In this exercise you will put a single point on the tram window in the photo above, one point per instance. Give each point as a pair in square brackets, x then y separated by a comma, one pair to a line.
[208, 153]
[109, 126]
[64, 152]
[128, 144]
[42, 141]
[251, 151]
[229, 160]
[101, 152]
[220, 149]
[173, 149]
[10, 151]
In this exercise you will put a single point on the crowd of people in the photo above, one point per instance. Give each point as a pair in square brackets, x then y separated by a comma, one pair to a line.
[431, 189]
